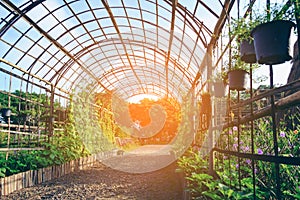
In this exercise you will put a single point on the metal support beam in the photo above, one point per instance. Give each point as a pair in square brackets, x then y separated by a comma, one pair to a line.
[174, 5]
[104, 2]
[52, 40]
[18, 16]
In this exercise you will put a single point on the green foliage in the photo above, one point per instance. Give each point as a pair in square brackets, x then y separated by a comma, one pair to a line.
[241, 28]
[191, 162]
[237, 63]
[185, 130]
[63, 146]
[201, 184]
[25, 106]
[227, 185]
[220, 77]
[278, 11]
[21, 161]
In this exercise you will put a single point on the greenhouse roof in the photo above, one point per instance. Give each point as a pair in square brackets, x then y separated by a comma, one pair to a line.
[132, 47]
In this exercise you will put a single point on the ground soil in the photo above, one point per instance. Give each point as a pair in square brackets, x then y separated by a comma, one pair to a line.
[102, 182]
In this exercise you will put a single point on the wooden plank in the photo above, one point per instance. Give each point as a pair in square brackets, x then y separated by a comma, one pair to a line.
[21, 149]
[22, 133]
[80, 163]
[30, 178]
[26, 176]
[33, 177]
[4, 187]
[19, 180]
[22, 126]
[1, 187]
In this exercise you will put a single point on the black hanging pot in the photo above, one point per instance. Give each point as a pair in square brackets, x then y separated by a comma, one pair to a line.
[238, 79]
[271, 41]
[247, 51]
[219, 88]
[6, 112]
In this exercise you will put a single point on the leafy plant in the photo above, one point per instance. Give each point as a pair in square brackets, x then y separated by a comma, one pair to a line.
[241, 28]
[227, 184]
[220, 76]
[278, 12]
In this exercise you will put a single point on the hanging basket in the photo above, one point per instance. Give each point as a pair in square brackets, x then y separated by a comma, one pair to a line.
[247, 51]
[238, 79]
[220, 88]
[6, 112]
[205, 112]
[271, 41]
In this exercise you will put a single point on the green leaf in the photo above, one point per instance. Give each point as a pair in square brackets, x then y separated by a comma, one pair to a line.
[52, 156]
[2, 172]
[212, 195]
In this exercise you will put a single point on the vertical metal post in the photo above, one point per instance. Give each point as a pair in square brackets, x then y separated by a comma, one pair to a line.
[297, 17]
[239, 141]
[210, 131]
[252, 136]
[51, 119]
[8, 119]
[274, 129]
[229, 119]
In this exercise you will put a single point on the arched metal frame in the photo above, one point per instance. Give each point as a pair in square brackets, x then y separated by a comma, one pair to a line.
[53, 48]
[132, 47]
[65, 43]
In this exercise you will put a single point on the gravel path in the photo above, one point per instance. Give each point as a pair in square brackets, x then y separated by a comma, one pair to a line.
[101, 182]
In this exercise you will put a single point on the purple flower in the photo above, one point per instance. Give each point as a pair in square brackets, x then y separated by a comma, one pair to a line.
[237, 166]
[235, 139]
[282, 134]
[235, 128]
[259, 152]
[235, 146]
[230, 132]
[245, 149]
[248, 161]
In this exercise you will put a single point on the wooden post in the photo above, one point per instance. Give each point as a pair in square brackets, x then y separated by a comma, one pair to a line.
[210, 131]
[51, 119]
[8, 134]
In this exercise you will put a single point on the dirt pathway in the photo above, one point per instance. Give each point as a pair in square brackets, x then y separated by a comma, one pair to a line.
[101, 182]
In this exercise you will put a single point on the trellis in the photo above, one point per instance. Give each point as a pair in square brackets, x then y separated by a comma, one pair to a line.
[129, 47]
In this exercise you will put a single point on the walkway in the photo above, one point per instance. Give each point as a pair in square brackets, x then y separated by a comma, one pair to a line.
[102, 182]
[144, 159]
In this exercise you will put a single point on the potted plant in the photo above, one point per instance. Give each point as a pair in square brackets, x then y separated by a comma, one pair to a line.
[241, 28]
[220, 84]
[238, 76]
[271, 37]
[205, 111]
[6, 112]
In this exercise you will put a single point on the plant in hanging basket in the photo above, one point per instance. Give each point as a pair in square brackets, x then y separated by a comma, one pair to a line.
[241, 28]
[205, 111]
[271, 37]
[6, 112]
[238, 79]
[220, 82]
[238, 76]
